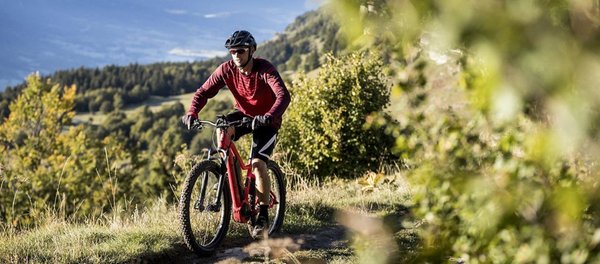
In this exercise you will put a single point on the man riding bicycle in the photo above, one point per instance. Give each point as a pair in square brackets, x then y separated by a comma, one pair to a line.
[259, 93]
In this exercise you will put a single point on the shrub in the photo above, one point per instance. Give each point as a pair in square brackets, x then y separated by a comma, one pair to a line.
[325, 131]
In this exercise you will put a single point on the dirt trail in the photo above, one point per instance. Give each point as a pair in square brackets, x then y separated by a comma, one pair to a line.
[250, 251]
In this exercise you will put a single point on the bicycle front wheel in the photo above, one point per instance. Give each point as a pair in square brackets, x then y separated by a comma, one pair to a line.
[204, 214]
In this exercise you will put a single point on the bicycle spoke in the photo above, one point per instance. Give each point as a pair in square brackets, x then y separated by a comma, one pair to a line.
[204, 222]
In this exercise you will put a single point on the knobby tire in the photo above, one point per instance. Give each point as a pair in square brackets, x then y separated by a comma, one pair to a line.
[277, 213]
[190, 218]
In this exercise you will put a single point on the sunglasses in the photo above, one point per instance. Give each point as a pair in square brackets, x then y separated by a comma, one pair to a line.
[238, 51]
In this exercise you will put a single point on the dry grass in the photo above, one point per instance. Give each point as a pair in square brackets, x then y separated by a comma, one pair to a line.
[110, 239]
[154, 233]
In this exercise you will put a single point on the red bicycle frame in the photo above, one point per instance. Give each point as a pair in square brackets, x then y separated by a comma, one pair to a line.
[240, 212]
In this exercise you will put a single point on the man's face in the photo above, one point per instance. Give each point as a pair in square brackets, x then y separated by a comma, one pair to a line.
[240, 55]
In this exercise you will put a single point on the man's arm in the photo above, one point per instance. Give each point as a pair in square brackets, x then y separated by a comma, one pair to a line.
[208, 90]
[282, 95]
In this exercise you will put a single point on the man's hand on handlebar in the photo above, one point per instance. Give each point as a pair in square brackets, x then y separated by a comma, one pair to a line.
[261, 120]
[188, 120]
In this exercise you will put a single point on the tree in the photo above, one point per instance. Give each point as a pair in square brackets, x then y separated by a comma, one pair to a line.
[311, 61]
[325, 131]
[294, 62]
[118, 101]
[106, 107]
[47, 170]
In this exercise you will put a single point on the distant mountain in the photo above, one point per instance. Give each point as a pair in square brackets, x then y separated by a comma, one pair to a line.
[46, 36]
[304, 41]
[300, 47]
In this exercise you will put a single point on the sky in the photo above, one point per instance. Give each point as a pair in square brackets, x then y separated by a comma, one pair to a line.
[51, 35]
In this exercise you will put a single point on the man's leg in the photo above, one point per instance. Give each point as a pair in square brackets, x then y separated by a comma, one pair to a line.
[263, 182]
[262, 146]
[263, 186]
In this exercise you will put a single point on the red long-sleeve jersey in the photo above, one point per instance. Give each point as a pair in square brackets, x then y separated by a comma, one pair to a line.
[262, 92]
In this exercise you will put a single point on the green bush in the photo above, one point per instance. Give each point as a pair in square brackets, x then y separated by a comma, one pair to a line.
[324, 131]
[483, 194]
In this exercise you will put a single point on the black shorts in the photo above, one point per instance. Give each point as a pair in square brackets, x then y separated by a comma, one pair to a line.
[263, 138]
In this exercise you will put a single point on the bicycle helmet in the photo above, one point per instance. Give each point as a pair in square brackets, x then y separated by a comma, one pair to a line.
[240, 38]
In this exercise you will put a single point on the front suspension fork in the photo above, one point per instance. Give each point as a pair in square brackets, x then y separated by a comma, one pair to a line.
[216, 205]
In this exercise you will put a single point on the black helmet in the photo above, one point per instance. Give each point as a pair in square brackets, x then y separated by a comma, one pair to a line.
[240, 38]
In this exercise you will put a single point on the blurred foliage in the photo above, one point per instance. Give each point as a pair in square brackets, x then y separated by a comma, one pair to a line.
[511, 176]
[326, 131]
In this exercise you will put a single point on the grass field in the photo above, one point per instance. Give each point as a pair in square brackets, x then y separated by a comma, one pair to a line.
[155, 103]
[153, 235]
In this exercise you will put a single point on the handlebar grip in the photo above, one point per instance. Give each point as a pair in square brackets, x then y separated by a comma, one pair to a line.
[197, 124]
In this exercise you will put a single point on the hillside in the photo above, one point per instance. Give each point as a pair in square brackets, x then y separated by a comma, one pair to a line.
[154, 103]
[299, 47]
[49, 36]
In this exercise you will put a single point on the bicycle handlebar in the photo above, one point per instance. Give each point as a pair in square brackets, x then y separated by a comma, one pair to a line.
[222, 123]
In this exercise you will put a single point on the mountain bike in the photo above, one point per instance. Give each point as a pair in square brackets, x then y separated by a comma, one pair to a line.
[213, 188]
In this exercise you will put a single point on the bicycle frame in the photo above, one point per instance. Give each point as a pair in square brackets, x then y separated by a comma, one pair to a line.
[241, 209]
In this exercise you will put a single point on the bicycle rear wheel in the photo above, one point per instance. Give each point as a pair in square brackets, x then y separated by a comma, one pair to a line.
[277, 197]
[204, 219]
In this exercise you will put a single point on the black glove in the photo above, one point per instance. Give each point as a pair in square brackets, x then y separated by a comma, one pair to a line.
[188, 120]
[261, 120]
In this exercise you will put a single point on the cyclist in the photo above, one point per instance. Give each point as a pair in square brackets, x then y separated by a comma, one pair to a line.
[259, 93]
